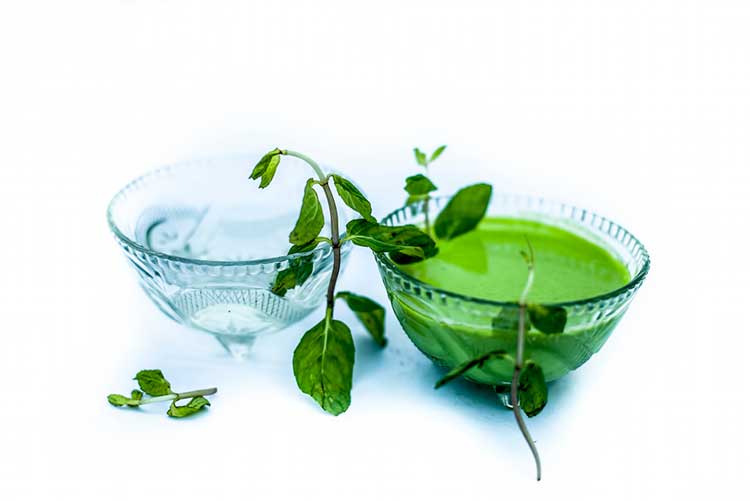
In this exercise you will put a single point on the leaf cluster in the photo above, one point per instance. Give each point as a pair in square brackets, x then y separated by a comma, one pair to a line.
[153, 383]
[323, 361]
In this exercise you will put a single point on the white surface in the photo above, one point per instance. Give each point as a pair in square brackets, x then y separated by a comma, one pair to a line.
[639, 110]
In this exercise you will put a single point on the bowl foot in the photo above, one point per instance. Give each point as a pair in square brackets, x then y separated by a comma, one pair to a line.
[237, 346]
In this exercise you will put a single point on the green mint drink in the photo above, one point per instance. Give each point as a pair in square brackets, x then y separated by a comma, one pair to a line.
[486, 264]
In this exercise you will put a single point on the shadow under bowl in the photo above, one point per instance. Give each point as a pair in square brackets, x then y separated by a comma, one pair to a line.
[209, 248]
[452, 328]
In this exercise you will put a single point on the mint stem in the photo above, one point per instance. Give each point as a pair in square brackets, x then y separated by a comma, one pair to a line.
[312, 163]
[178, 396]
[519, 363]
[335, 241]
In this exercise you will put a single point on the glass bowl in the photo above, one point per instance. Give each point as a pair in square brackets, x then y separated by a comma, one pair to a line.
[208, 246]
[451, 328]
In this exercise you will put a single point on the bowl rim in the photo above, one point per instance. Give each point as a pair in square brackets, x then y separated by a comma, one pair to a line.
[633, 284]
[201, 162]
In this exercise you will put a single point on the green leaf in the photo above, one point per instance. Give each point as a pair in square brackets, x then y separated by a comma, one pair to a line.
[507, 320]
[420, 157]
[463, 212]
[310, 220]
[323, 363]
[265, 169]
[117, 400]
[466, 366]
[408, 240]
[370, 313]
[419, 185]
[135, 398]
[153, 383]
[306, 247]
[532, 390]
[353, 197]
[180, 411]
[414, 198]
[548, 319]
[437, 153]
[408, 257]
[297, 273]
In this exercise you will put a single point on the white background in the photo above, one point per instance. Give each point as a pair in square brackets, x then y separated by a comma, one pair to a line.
[639, 110]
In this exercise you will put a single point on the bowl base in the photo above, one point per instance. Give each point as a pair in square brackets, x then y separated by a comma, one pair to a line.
[239, 347]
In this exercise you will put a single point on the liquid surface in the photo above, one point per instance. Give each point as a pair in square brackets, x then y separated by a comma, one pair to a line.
[486, 263]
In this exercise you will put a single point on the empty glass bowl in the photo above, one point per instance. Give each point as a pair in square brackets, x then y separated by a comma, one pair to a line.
[208, 247]
[451, 328]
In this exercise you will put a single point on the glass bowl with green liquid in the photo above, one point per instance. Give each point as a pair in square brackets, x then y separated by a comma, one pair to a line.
[448, 305]
[210, 248]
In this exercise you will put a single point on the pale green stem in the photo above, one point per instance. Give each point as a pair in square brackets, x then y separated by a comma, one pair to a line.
[178, 396]
[309, 161]
[519, 363]
[335, 242]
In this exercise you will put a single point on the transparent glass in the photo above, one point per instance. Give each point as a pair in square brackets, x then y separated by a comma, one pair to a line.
[207, 246]
[451, 328]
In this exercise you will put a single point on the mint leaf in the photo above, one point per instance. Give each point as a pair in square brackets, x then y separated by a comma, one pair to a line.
[153, 383]
[532, 389]
[408, 240]
[180, 411]
[463, 212]
[323, 363]
[353, 197]
[370, 313]
[306, 247]
[419, 185]
[466, 366]
[407, 256]
[414, 198]
[265, 169]
[117, 400]
[507, 321]
[548, 319]
[297, 273]
[420, 157]
[310, 220]
[437, 153]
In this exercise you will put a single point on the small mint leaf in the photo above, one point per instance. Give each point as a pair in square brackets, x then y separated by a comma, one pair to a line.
[506, 321]
[353, 198]
[266, 167]
[466, 366]
[419, 185]
[310, 220]
[548, 319]
[463, 212]
[415, 198]
[532, 389]
[370, 313]
[323, 363]
[180, 411]
[299, 270]
[117, 400]
[420, 157]
[306, 247]
[435, 154]
[153, 383]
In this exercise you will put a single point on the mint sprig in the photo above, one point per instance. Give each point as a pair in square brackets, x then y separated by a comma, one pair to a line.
[153, 383]
[323, 361]
[528, 389]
